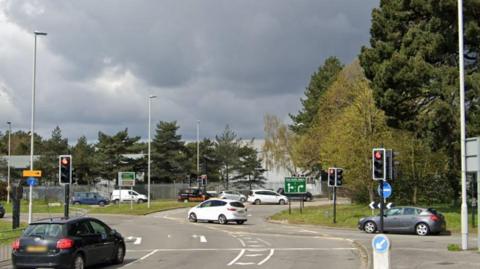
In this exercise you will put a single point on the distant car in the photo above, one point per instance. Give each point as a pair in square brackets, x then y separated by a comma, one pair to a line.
[266, 197]
[2, 211]
[223, 211]
[192, 195]
[232, 195]
[127, 195]
[307, 196]
[422, 221]
[89, 198]
[67, 243]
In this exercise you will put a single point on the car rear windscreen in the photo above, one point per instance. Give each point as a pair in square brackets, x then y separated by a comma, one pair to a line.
[236, 204]
[45, 230]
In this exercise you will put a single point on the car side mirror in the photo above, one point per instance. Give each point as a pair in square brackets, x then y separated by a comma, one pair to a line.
[113, 232]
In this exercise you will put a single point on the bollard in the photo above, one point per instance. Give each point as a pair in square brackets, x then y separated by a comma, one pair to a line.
[381, 252]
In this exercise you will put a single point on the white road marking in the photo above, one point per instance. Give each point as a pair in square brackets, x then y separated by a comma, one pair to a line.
[263, 241]
[307, 231]
[253, 242]
[244, 263]
[142, 258]
[267, 258]
[238, 249]
[138, 241]
[253, 255]
[169, 236]
[194, 236]
[203, 239]
[256, 246]
[237, 258]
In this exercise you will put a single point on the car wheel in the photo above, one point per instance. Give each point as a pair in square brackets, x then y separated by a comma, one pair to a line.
[119, 254]
[101, 203]
[282, 202]
[240, 222]
[2, 215]
[242, 200]
[257, 202]
[370, 227]
[222, 219]
[140, 201]
[78, 262]
[115, 201]
[76, 203]
[309, 198]
[192, 217]
[422, 229]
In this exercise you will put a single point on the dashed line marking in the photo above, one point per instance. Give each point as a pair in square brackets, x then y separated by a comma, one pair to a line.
[203, 239]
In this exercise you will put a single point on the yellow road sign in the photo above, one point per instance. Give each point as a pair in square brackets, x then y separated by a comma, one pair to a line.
[32, 173]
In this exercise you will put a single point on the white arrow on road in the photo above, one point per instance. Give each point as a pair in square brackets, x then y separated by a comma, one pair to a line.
[135, 240]
[203, 239]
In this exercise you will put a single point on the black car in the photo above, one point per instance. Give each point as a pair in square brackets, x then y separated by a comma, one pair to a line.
[67, 243]
[307, 196]
[192, 195]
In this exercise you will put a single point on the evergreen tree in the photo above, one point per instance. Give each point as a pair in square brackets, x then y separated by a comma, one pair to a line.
[169, 156]
[319, 83]
[227, 153]
[249, 170]
[48, 161]
[413, 68]
[208, 164]
[83, 161]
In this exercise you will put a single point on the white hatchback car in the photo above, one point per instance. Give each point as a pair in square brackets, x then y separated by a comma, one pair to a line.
[266, 197]
[232, 195]
[222, 211]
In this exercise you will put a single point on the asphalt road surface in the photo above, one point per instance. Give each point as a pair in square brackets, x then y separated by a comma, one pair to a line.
[168, 240]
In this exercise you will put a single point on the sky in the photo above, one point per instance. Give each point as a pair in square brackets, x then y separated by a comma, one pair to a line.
[217, 61]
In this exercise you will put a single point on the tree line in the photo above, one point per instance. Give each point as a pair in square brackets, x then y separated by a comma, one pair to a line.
[226, 159]
[401, 93]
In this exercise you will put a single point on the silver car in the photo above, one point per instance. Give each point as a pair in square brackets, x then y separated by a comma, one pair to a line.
[422, 221]
[232, 195]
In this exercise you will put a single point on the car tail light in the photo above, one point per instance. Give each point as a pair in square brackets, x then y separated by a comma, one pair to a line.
[231, 209]
[16, 245]
[65, 243]
[434, 218]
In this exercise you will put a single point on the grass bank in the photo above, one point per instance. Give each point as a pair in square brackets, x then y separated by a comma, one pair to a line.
[348, 216]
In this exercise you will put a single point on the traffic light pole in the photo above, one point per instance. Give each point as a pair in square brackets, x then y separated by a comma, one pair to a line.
[334, 204]
[382, 205]
[66, 202]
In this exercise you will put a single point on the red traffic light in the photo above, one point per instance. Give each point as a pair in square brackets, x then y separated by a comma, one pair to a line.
[378, 155]
[65, 161]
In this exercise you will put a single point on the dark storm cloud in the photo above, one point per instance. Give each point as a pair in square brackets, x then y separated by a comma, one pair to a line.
[224, 62]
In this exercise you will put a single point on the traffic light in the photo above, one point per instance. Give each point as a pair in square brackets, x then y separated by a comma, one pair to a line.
[338, 177]
[331, 177]
[379, 164]
[65, 169]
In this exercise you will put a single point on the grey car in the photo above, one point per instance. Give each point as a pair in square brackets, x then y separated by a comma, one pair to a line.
[422, 221]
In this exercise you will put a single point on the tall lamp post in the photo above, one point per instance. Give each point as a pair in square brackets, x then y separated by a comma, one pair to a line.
[32, 125]
[198, 148]
[149, 142]
[9, 162]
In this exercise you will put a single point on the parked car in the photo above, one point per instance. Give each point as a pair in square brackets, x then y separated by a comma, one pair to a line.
[127, 195]
[67, 243]
[266, 197]
[2, 211]
[422, 221]
[192, 195]
[232, 195]
[307, 196]
[223, 211]
[88, 198]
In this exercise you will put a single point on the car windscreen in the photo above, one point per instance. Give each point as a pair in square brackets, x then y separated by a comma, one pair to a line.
[236, 204]
[43, 230]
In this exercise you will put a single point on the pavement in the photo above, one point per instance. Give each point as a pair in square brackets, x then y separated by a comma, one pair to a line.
[168, 240]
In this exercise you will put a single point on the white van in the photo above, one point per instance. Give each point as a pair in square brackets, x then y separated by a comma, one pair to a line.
[127, 195]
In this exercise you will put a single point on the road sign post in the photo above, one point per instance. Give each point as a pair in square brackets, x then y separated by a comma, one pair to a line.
[295, 185]
[381, 252]
[126, 179]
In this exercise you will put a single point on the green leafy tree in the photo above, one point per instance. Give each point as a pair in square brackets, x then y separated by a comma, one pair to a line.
[413, 68]
[48, 161]
[227, 153]
[110, 154]
[169, 156]
[83, 161]
[278, 149]
[319, 83]
[249, 170]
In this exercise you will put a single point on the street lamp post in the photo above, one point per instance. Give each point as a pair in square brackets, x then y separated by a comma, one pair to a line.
[198, 148]
[32, 125]
[149, 142]
[9, 162]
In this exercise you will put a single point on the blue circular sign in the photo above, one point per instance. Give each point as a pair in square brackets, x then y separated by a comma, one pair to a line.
[381, 243]
[31, 181]
[387, 190]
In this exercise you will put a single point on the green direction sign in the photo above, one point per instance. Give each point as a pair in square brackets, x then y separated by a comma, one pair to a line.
[295, 185]
[126, 179]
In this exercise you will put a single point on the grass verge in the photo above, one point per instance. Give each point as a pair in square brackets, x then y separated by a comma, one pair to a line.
[348, 216]
[7, 235]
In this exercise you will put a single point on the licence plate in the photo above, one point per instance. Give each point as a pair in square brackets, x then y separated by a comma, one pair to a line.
[36, 248]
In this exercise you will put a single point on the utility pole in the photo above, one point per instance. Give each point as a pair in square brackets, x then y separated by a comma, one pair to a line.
[9, 161]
